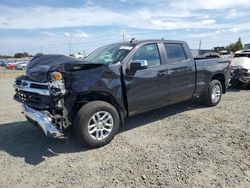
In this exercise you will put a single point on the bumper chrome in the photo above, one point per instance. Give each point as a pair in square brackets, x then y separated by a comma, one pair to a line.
[33, 90]
[244, 79]
[25, 85]
[43, 120]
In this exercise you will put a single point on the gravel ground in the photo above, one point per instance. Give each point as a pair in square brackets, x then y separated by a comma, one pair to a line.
[183, 145]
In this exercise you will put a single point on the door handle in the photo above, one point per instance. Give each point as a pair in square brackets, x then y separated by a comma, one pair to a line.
[189, 69]
[160, 74]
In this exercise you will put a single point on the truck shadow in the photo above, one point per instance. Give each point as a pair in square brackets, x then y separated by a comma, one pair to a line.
[237, 88]
[22, 139]
[234, 89]
[158, 114]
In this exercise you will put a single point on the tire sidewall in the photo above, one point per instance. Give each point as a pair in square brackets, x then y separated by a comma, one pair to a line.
[84, 116]
[211, 86]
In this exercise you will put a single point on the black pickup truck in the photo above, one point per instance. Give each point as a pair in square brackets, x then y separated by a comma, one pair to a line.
[116, 81]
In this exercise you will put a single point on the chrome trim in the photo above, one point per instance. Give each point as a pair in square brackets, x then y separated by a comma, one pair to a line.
[33, 90]
[32, 82]
[43, 119]
[244, 79]
[25, 86]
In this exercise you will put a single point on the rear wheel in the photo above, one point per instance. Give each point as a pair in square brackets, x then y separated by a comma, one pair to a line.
[214, 93]
[96, 124]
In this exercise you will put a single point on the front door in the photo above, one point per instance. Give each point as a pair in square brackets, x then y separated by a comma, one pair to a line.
[146, 88]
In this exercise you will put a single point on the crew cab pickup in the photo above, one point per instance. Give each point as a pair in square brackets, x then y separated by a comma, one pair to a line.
[96, 94]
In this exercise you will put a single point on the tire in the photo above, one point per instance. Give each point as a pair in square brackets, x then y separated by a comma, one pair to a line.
[214, 89]
[87, 121]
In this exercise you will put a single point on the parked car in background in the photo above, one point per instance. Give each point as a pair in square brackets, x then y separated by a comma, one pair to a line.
[247, 46]
[240, 68]
[22, 66]
[211, 55]
[116, 81]
[13, 65]
[2, 63]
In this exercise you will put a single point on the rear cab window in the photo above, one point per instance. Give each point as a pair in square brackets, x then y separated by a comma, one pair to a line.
[175, 52]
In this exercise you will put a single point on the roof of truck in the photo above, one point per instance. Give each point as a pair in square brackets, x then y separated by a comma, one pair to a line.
[135, 42]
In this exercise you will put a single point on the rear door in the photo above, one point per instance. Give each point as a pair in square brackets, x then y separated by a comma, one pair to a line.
[181, 73]
[146, 88]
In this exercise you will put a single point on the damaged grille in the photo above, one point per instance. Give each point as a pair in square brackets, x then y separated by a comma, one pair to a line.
[244, 72]
[32, 99]
[33, 94]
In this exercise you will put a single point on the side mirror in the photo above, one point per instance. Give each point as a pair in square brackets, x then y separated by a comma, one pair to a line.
[138, 65]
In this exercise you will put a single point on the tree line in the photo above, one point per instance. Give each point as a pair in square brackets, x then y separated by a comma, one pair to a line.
[17, 55]
[233, 47]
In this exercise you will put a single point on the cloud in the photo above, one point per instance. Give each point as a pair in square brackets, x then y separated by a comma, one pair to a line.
[211, 4]
[67, 34]
[47, 33]
[77, 35]
[184, 19]
[81, 35]
[181, 15]
[26, 18]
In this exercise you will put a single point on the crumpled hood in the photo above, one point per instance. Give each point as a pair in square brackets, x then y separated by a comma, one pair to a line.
[40, 66]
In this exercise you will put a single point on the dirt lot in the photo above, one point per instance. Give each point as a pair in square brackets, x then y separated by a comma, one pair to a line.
[184, 145]
[5, 73]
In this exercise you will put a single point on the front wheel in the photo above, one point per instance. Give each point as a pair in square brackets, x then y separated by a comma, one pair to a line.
[214, 93]
[96, 124]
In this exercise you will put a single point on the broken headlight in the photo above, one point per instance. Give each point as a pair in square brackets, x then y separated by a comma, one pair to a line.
[56, 76]
[56, 85]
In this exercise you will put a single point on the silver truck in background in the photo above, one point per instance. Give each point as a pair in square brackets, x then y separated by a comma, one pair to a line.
[240, 68]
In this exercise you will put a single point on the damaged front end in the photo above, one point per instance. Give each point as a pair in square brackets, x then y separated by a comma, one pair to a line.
[42, 102]
[55, 87]
[245, 76]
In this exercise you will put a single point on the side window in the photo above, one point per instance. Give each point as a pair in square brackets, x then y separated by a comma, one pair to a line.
[175, 52]
[149, 53]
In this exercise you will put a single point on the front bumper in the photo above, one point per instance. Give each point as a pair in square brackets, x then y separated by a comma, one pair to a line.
[244, 79]
[244, 76]
[43, 119]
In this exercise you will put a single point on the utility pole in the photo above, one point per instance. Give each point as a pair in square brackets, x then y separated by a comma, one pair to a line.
[69, 48]
[199, 47]
[41, 49]
[70, 44]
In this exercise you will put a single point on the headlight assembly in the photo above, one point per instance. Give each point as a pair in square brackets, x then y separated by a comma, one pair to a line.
[56, 76]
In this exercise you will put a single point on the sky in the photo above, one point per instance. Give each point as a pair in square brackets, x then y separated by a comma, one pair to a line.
[63, 26]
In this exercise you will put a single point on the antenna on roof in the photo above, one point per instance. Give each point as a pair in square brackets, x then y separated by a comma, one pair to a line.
[132, 40]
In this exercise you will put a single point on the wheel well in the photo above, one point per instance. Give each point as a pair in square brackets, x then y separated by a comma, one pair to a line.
[101, 96]
[221, 78]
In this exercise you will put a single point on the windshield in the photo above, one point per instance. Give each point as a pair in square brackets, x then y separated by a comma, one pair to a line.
[109, 54]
